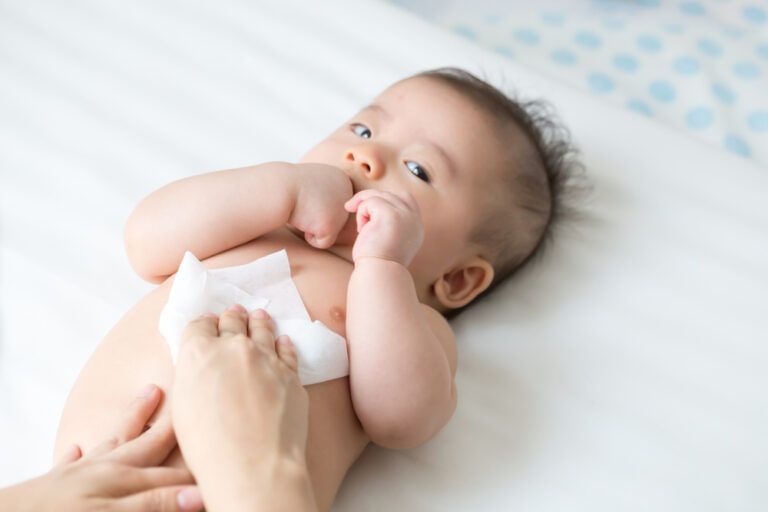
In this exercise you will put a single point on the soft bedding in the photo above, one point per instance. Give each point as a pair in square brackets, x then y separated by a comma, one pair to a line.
[625, 370]
[700, 66]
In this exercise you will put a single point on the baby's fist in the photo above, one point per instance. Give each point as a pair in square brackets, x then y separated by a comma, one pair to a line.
[389, 226]
[319, 206]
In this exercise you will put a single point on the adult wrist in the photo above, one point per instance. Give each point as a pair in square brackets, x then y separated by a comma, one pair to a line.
[269, 483]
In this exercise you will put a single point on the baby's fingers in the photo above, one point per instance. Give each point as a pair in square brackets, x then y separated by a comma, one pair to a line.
[358, 198]
[287, 353]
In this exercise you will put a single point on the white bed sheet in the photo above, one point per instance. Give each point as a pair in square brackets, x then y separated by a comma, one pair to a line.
[625, 371]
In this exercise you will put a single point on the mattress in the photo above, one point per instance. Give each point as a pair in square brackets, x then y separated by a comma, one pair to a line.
[625, 370]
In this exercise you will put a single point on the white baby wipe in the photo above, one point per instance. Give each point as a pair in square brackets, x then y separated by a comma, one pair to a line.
[264, 283]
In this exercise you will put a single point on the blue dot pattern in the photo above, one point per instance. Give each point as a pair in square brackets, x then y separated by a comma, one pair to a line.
[563, 57]
[649, 43]
[755, 14]
[700, 66]
[758, 121]
[693, 8]
[588, 40]
[662, 91]
[626, 63]
[736, 144]
[640, 107]
[699, 118]
[527, 36]
[723, 93]
[600, 83]
[710, 47]
[746, 70]
[687, 65]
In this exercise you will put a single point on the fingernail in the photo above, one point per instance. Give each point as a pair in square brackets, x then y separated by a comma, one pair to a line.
[211, 315]
[259, 314]
[190, 499]
[147, 391]
[283, 340]
[240, 309]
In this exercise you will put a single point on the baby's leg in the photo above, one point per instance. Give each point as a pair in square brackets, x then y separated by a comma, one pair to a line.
[132, 354]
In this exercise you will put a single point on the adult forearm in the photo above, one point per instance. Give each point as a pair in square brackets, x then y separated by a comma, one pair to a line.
[268, 485]
[401, 382]
[229, 207]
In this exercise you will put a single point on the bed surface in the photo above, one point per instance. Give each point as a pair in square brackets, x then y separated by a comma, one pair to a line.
[625, 371]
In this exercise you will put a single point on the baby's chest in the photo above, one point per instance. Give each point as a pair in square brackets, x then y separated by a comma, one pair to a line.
[320, 277]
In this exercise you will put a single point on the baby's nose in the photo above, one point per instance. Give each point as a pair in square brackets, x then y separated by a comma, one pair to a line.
[369, 165]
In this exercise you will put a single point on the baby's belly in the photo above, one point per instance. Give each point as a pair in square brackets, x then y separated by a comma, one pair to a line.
[134, 353]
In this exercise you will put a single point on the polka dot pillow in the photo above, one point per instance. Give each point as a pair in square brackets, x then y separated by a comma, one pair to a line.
[700, 66]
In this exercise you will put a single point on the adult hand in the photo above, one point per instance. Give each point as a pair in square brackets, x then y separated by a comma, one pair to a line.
[241, 414]
[116, 475]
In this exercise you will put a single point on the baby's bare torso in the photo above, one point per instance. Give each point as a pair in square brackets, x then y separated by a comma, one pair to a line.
[134, 353]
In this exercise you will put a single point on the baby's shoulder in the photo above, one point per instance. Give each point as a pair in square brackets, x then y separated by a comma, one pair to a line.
[442, 330]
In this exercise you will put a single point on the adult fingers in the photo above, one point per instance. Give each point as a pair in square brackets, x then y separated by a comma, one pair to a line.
[130, 480]
[163, 499]
[287, 353]
[261, 329]
[71, 454]
[205, 326]
[149, 449]
[131, 424]
[233, 320]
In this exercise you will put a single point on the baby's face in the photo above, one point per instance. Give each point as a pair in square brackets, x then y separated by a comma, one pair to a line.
[423, 137]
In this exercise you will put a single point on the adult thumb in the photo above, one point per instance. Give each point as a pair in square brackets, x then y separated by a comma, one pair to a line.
[163, 499]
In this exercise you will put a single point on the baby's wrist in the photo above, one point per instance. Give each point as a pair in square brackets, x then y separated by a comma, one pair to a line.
[378, 262]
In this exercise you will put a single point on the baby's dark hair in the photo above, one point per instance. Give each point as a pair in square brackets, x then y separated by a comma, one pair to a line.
[541, 177]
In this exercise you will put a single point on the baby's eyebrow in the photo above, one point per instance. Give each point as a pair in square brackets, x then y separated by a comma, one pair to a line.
[445, 156]
[377, 108]
[436, 147]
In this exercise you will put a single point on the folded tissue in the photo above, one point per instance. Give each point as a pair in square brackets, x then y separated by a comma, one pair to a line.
[264, 283]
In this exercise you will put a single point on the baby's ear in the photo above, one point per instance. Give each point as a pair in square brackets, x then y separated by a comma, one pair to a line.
[462, 284]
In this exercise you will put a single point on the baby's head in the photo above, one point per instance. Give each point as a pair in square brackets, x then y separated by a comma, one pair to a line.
[487, 172]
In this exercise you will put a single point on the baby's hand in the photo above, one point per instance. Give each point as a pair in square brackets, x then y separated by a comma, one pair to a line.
[389, 226]
[319, 208]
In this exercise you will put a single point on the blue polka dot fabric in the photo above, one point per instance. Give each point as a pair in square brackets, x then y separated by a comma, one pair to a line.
[700, 66]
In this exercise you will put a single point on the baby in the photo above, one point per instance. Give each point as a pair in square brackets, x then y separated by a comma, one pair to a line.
[423, 202]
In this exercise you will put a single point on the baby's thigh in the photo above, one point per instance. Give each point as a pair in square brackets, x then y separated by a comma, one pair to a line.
[132, 355]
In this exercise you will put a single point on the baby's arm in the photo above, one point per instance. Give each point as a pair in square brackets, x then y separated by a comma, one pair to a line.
[213, 212]
[402, 353]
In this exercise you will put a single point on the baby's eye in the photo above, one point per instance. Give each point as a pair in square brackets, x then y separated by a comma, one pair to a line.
[417, 170]
[361, 131]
